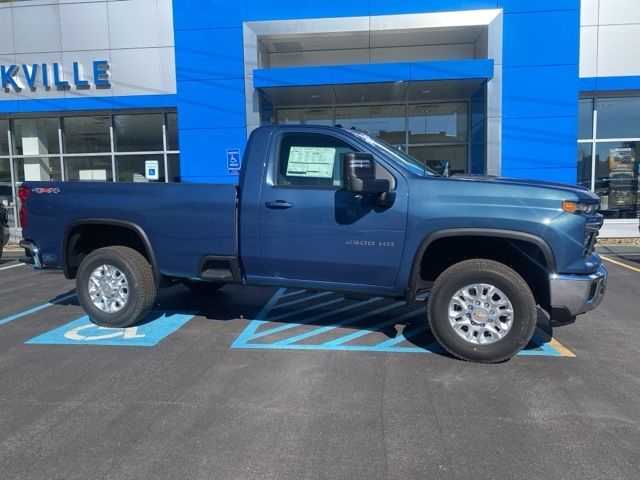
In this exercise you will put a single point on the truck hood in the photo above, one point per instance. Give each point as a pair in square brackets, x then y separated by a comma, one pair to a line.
[581, 192]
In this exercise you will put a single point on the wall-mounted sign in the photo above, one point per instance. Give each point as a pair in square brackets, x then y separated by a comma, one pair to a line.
[46, 76]
[151, 169]
[233, 161]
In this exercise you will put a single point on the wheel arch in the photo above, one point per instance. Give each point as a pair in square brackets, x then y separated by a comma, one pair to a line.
[144, 247]
[474, 233]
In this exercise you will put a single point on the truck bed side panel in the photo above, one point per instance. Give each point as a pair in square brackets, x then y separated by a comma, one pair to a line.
[183, 222]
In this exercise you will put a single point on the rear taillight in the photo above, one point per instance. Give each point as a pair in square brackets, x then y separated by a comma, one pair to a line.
[23, 195]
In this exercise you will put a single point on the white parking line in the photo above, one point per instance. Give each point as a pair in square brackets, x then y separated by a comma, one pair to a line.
[13, 266]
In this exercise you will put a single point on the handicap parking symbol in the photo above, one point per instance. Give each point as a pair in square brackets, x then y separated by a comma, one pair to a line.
[83, 332]
[233, 161]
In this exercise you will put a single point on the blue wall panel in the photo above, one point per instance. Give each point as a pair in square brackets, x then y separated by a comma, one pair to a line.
[541, 91]
[209, 54]
[190, 14]
[211, 104]
[287, 9]
[394, 8]
[206, 151]
[87, 103]
[292, 77]
[602, 84]
[520, 6]
[541, 38]
[540, 58]
[372, 73]
[540, 148]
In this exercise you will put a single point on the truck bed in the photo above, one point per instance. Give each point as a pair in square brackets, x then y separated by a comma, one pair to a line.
[183, 222]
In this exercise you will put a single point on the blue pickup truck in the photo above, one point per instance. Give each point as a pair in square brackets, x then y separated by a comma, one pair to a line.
[325, 208]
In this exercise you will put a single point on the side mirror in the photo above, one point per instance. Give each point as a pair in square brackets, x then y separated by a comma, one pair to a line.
[359, 174]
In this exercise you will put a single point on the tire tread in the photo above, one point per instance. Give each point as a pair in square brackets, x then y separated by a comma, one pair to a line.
[476, 264]
[147, 289]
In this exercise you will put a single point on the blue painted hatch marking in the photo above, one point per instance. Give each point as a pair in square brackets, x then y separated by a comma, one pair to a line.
[294, 330]
[83, 332]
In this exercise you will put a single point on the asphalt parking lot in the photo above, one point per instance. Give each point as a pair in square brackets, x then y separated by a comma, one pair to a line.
[272, 383]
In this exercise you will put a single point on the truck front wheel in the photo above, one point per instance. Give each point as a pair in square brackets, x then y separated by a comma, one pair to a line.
[481, 311]
[115, 286]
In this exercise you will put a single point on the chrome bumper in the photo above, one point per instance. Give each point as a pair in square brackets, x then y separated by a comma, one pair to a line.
[32, 256]
[578, 293]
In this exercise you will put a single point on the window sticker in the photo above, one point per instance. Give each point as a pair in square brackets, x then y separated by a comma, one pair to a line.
[314, 162]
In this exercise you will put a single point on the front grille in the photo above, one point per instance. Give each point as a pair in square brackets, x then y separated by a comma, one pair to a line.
[590, 241]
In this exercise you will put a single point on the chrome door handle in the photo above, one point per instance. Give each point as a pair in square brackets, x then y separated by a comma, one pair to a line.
[278, 204]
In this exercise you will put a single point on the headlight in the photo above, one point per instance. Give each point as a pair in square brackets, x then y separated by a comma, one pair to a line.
[584, 208]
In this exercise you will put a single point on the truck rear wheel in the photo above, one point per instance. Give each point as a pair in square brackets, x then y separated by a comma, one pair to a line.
[481, 311]
[115, 286]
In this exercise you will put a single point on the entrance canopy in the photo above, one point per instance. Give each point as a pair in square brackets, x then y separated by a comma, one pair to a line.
[401, 91]
[388, 82]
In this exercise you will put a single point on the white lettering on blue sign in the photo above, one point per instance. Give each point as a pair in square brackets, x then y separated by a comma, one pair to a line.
[151, 169]
[233, 161]
[42, 75]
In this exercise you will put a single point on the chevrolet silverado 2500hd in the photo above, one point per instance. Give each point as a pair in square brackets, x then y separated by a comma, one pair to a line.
[326, 208]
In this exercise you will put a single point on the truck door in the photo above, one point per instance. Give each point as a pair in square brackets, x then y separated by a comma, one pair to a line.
[311, 229]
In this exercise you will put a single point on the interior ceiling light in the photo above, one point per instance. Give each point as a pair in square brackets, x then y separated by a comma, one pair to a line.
[315, 95]
[426, 91]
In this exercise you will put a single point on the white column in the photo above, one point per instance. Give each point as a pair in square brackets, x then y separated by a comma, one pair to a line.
[34, 142]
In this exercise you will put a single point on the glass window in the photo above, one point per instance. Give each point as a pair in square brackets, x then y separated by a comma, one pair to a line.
[311, 160]
[86, 134]
[131, 168]
[4, 139]
[5, 181]
[172, 132]
[618, 117]
[173, 160]
[37, 169]
[617, 178]
[138, 133]
[585, 118]
[35, 136]
[385, 122]
[302, 116]
[584, 165]
[438, 122]
[88, 169]
[446, 160]
[6, 194]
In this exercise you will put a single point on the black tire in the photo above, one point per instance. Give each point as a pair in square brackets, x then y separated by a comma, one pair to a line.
[490, 272]
[202, 287]
[141, 285]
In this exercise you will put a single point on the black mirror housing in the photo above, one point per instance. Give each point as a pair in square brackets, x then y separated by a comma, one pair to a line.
[359, 174]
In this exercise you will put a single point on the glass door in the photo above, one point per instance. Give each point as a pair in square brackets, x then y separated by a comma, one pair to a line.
[438, 135]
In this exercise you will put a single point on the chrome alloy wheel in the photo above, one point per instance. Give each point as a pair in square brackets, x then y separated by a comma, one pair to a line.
[480, 313]
[108, 289]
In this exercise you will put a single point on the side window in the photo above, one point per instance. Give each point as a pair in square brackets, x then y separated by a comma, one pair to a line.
[310, 159]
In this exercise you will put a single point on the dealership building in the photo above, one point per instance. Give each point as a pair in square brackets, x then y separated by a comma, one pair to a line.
[155, 90]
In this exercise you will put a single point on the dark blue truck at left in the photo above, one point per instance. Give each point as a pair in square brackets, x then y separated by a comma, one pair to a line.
[327, 208]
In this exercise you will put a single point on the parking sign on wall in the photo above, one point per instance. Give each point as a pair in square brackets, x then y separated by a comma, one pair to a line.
[233, 161]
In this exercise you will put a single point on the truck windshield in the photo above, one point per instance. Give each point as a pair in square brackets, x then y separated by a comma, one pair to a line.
[404, 159]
